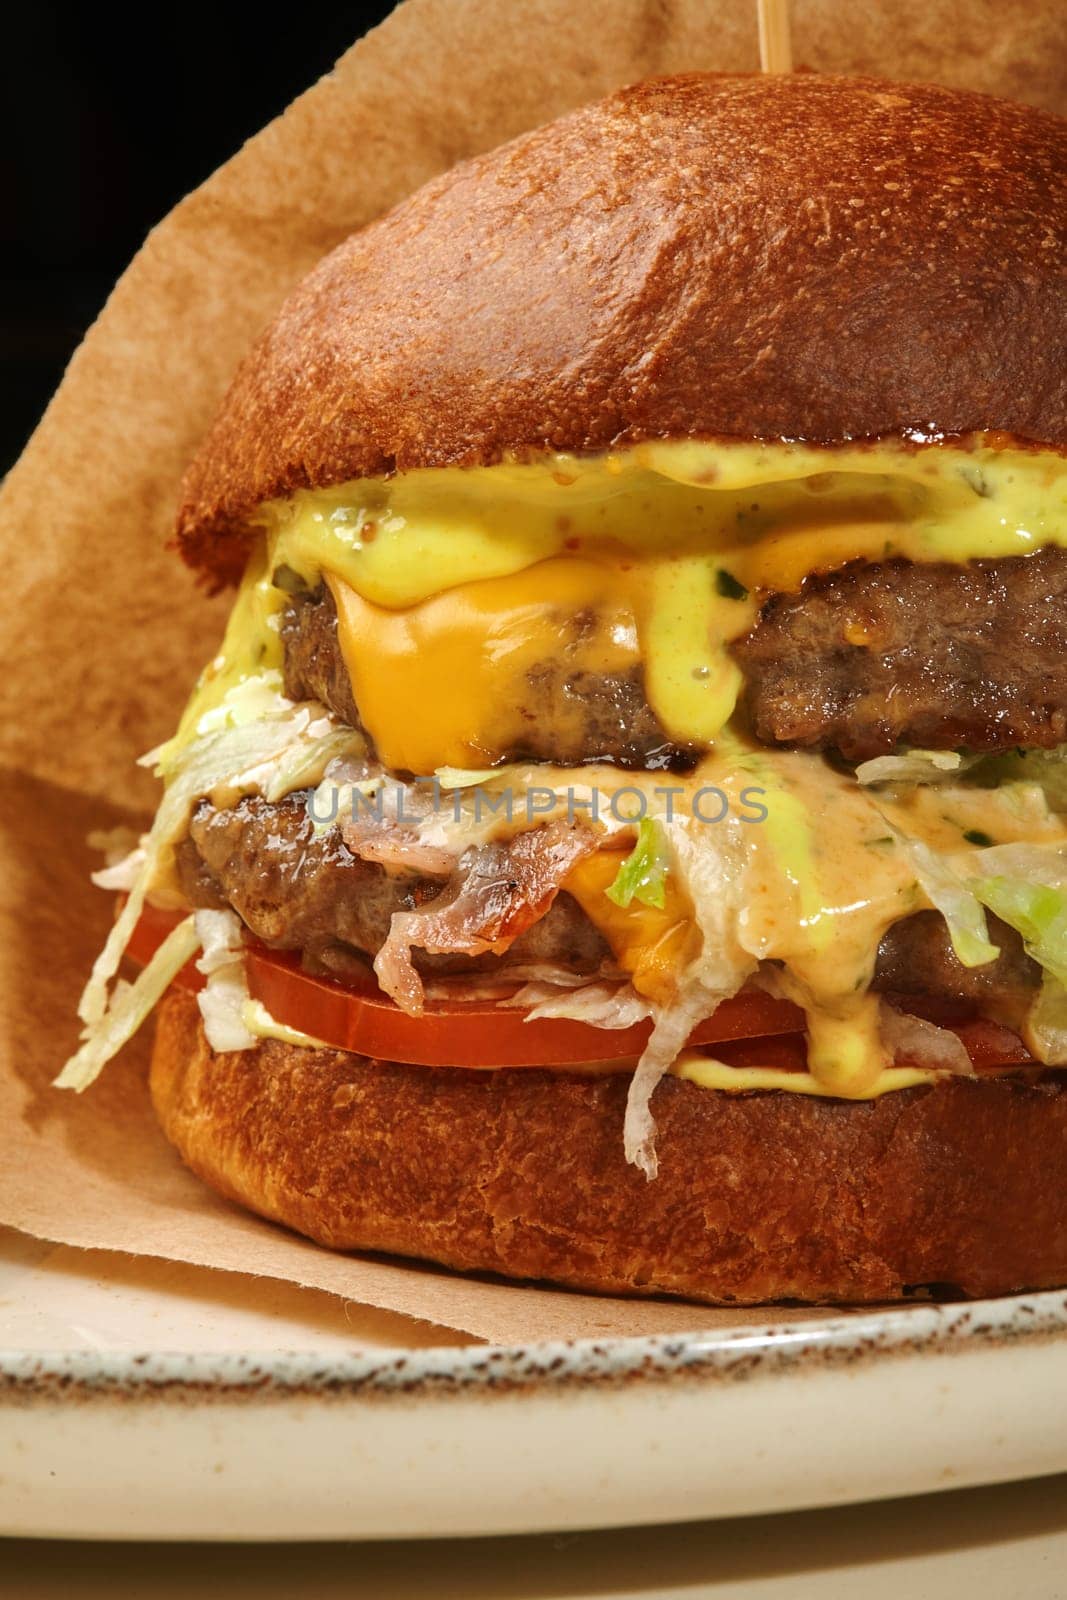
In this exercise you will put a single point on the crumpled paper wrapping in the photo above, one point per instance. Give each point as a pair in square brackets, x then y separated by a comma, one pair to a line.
[105, 633]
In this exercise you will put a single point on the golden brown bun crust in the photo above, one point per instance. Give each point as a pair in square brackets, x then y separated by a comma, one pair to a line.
[759, 1197]
[711, 256]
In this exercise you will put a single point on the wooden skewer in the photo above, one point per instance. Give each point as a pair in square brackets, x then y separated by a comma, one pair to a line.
[775, 47]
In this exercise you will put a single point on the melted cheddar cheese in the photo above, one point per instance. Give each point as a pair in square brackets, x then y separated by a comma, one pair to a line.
[452, 583]
[446, 683]
[652, 944]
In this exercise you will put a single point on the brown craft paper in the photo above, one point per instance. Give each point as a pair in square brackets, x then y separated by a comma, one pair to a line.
[104, 632]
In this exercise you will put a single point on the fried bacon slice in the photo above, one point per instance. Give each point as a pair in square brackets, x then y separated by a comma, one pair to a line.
[498, 892]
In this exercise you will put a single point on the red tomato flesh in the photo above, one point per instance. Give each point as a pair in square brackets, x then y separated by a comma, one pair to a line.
[752, 1028]
[475, 1034]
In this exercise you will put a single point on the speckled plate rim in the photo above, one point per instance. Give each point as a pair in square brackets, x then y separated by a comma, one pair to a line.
[723, 1355]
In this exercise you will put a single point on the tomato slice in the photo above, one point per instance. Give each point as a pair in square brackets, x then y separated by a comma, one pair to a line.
[753, 1028]
[475, 1034]
[480, 1033]
[989, 1044]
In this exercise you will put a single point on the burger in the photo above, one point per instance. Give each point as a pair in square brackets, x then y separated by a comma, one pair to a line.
[622, 837]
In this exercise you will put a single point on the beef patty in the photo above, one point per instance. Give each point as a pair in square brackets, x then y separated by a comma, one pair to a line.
[298, 889]
[566, 715]
[916, 958]
[940, 657]
[862, 660]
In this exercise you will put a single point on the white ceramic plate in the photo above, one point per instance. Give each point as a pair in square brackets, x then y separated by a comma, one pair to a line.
[140, 1399]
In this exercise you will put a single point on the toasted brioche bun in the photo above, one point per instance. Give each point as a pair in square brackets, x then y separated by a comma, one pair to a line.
[759, 1197]
[753, 257]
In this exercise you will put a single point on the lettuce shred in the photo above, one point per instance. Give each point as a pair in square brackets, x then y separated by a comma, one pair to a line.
[922, 1044]
[601, 1003]
[1037, 911]
[256, 740]
[129, 1005]
[957, 903]
[1045, 1031]
[914, 766]
[223, 997]
[711, 871]
[1046, 768]
[643, 875]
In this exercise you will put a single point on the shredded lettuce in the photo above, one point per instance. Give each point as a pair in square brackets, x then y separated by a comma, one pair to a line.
[261, 695]
[230, 756]
[253, 699]
[303, 763]
[958, 904]
[600, 1003]
[643, 875]
[129, 1006]
[1026, 887]
[670, 1032]
[1045, 1030]
[915, 766]
[120, 876]
[237, 759]
[1037, 911]
[1031, 863]
[1042, 769]
[115, 844]
[921, 1043]
[1045, 768]
[258, 1021]
[451, 778]
[710, 864]
[223, 997]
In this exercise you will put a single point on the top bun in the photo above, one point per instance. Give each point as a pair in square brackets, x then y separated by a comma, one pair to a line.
[741, 257]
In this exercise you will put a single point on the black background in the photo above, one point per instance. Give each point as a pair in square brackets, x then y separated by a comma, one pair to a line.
[105, 122]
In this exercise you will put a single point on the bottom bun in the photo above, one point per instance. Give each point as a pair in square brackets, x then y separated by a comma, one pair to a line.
[760, 1196]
